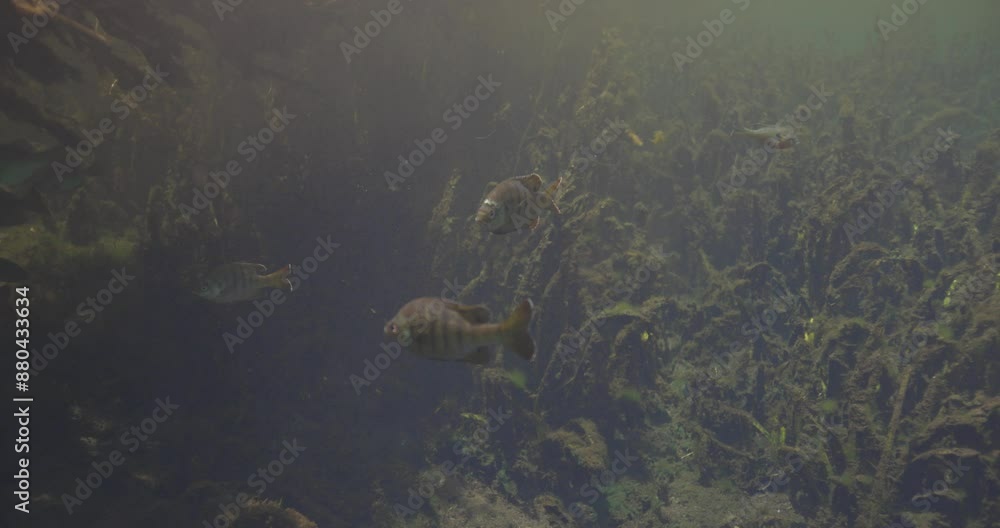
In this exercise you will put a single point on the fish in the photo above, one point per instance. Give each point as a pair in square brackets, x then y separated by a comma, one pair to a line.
[516, 203]
[11, 272]
[242, 281]
[777, 136]
[434, 328]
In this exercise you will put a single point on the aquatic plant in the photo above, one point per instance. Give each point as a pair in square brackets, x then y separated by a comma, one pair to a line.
[685, 357]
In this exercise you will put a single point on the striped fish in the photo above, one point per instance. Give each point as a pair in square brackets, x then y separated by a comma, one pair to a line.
[242, 281]
[517, 203]
[434, 328]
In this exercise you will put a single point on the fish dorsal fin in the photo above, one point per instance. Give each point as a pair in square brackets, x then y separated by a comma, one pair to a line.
[478, 314]
[532, 181]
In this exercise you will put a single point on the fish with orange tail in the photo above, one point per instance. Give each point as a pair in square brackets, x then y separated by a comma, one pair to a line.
[242, 281]
[434, 328]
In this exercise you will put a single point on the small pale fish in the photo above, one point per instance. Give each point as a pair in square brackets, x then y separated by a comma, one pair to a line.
[434, 328]
[780, 137]
[517, 203]
[242, 281]
[11, 272]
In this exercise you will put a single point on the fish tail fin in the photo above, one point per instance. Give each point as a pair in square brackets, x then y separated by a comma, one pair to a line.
[279, 279]
[515, 331]
[550, 194]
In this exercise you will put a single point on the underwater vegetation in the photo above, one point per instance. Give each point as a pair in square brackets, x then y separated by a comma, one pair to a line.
[725, 335]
